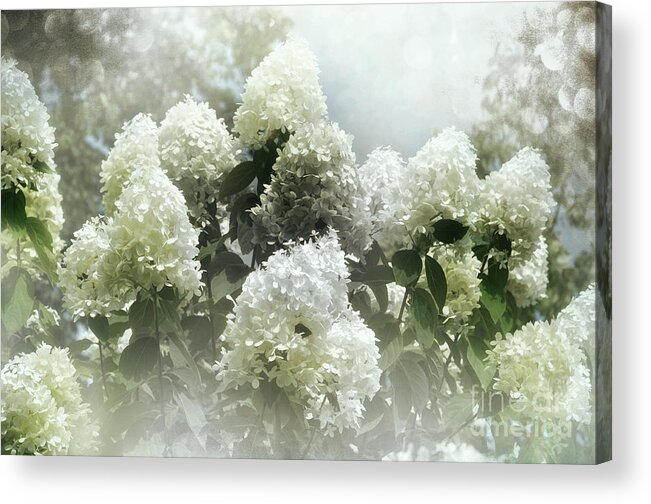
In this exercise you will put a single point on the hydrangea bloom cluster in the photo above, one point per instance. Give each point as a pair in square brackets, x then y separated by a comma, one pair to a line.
[282, 93]
[528, 277]
[315, 185]
[27, 138]
[42, 409]
[517, 200]
[147, 243]
[461, 269]
[384, 176]
[443, 181]
[196, 150]
[82, 276]
[135, 145]
[292, 325]
[152, 241]
[543, 366]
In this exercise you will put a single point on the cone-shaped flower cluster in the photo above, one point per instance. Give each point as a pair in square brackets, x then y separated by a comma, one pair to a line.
[293, 326]
[42, 409]
[282, 94]
[315, 186]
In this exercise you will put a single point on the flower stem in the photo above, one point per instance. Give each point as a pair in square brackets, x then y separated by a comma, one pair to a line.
[213, 340]
[160, 377]
[18, 261]
[101, 365]
[403, 305]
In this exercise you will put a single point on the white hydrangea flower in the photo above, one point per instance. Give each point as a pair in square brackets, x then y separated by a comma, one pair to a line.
[350, 371]
[42, 409]
[543, 366]
[136, 145]
[528, 277]
[577, 320]
[152, 241]
[27, 138]
[196, 150]
[89, 288]
[443, 181]
[282, 93]
[292, 324]
[461, 269]
[315, 184]
[517, 200]
[384, 177]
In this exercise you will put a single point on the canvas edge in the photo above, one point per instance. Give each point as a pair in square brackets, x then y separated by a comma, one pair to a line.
[603, 235]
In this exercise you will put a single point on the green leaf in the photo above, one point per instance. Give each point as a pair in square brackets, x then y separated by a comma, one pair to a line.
[245, 233]
[458, 410]
[41, 166]
[436, 281]
[199, 329]
[141, 314]
[375, 255]
[139, 358]
[80, 345]
[183, 350]
[100, 327]
[449, 231]
[476, 355]
[195, 417]
[223, 259]
[381, 295]
[502, 243]
[13, 210]
[118, 323]
[361, 302]
[407, 266]
[228, 281]
[390, 353]
[410, 383]
[425, 315]
[497, 275]
[17, 299]
[493, 300]
[373, 275]
[168, 315]
[38, 232]
[238, 179]
[42, 241]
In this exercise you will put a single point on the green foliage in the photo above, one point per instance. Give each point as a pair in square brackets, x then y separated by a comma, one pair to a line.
[100, 327]
[425, 315]
[238, 179]
[407, 266]
[139, 358]
[17, 300]
[14, 216]
[42, 242]
[436, 281]
[448, 230]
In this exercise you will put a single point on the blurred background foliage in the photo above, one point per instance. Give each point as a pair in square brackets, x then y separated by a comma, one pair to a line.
[97, 68]
[540, 92]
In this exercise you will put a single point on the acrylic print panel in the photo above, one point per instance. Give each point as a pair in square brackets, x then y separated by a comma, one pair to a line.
[373, 232]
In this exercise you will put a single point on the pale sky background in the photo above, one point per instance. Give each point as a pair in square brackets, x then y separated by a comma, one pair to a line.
[395, 74]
